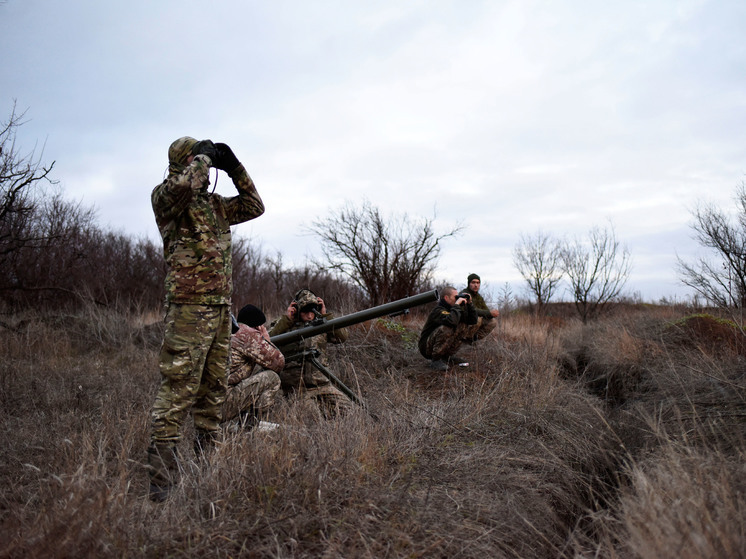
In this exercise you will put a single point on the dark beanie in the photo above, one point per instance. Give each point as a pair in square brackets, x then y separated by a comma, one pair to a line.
[473, 277]
[251, 316]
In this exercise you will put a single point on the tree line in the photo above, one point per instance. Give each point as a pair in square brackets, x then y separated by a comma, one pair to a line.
[596, 268]
[53, 255]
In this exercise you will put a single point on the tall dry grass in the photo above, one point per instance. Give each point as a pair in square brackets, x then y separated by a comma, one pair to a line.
[612, 439]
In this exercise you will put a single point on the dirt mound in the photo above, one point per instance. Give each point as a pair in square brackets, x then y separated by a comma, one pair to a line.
[707, 333]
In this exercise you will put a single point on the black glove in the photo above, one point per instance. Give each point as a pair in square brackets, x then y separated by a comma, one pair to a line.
[227, 160]
[206, 147]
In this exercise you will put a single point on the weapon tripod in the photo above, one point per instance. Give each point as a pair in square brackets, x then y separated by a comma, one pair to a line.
[312, 356]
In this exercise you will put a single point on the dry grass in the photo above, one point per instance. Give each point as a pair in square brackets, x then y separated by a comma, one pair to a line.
[613, 439]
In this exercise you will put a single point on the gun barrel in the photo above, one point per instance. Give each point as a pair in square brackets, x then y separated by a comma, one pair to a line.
[355, 318]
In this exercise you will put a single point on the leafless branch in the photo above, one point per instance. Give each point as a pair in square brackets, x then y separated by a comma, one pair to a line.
[388, 258]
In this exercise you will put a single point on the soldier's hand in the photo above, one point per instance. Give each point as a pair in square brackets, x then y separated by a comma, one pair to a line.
[292, 310]
[322, 306]
[227, 160]
[495, 313]
[206, 147]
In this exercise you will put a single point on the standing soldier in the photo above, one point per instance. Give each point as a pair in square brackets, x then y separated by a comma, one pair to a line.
[195, 226]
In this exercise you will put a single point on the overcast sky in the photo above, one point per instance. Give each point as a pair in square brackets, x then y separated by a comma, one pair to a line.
[507, 116]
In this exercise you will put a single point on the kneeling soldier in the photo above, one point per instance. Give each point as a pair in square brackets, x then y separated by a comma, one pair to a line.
[452, 321]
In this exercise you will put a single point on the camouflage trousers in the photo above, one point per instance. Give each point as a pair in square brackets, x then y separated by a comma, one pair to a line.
[484, 327]
[309, 386]
[255, 394]
[446, 341]
[326, 401]
[193, 364]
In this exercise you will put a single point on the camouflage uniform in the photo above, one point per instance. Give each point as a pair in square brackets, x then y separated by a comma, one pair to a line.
[249, 392]
[302, 378]
[485, 320]
[195, 227]
[445, 329]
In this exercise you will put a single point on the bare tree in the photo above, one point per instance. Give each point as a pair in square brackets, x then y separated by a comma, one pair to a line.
[250, 275]
[21, 177]
[388, 258]
[721, 281]
[597, 270]
[51, 251]
[538, 259]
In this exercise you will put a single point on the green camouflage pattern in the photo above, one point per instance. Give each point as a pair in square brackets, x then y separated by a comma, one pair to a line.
[445, 316]
[251, 389]
[445, 341]
[306, 299]
[195, 227]
[194, 366]
[479, 303]
[446, 328]
[303, 379]
[324, 402]
[180, 150]
[254, 395]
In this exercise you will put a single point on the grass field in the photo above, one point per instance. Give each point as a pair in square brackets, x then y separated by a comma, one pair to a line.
[625, 437]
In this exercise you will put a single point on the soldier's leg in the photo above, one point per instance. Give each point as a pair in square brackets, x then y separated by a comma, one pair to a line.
[255, 395]
[268, 386]
[466, 332]
[443, 342]
[180, 364]
[163, 468]
[331, 401]
[484, 327]
[207, 410]
[291, 377]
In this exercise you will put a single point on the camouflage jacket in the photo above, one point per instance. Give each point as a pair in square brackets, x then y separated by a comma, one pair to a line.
[479, 305]
[284, 324]
[250, 348]
[297, 372]
[444, 314]
[195, 226]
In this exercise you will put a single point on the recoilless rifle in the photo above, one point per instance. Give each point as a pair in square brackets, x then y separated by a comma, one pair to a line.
[322, 326]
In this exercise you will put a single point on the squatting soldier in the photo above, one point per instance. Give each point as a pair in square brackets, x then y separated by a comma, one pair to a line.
[452, 321]
[299, 376]
[485, 315]
[253, 382]
[195, 226]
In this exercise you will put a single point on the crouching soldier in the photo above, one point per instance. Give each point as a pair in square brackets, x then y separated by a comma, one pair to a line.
[485, 315]
[253, 381]
[299, 376]
[452, 321]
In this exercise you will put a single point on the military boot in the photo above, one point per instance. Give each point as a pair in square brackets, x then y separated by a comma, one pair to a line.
[163, 467]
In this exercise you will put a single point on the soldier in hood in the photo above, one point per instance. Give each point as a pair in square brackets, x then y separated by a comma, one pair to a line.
[195, 227]
[300, 377]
